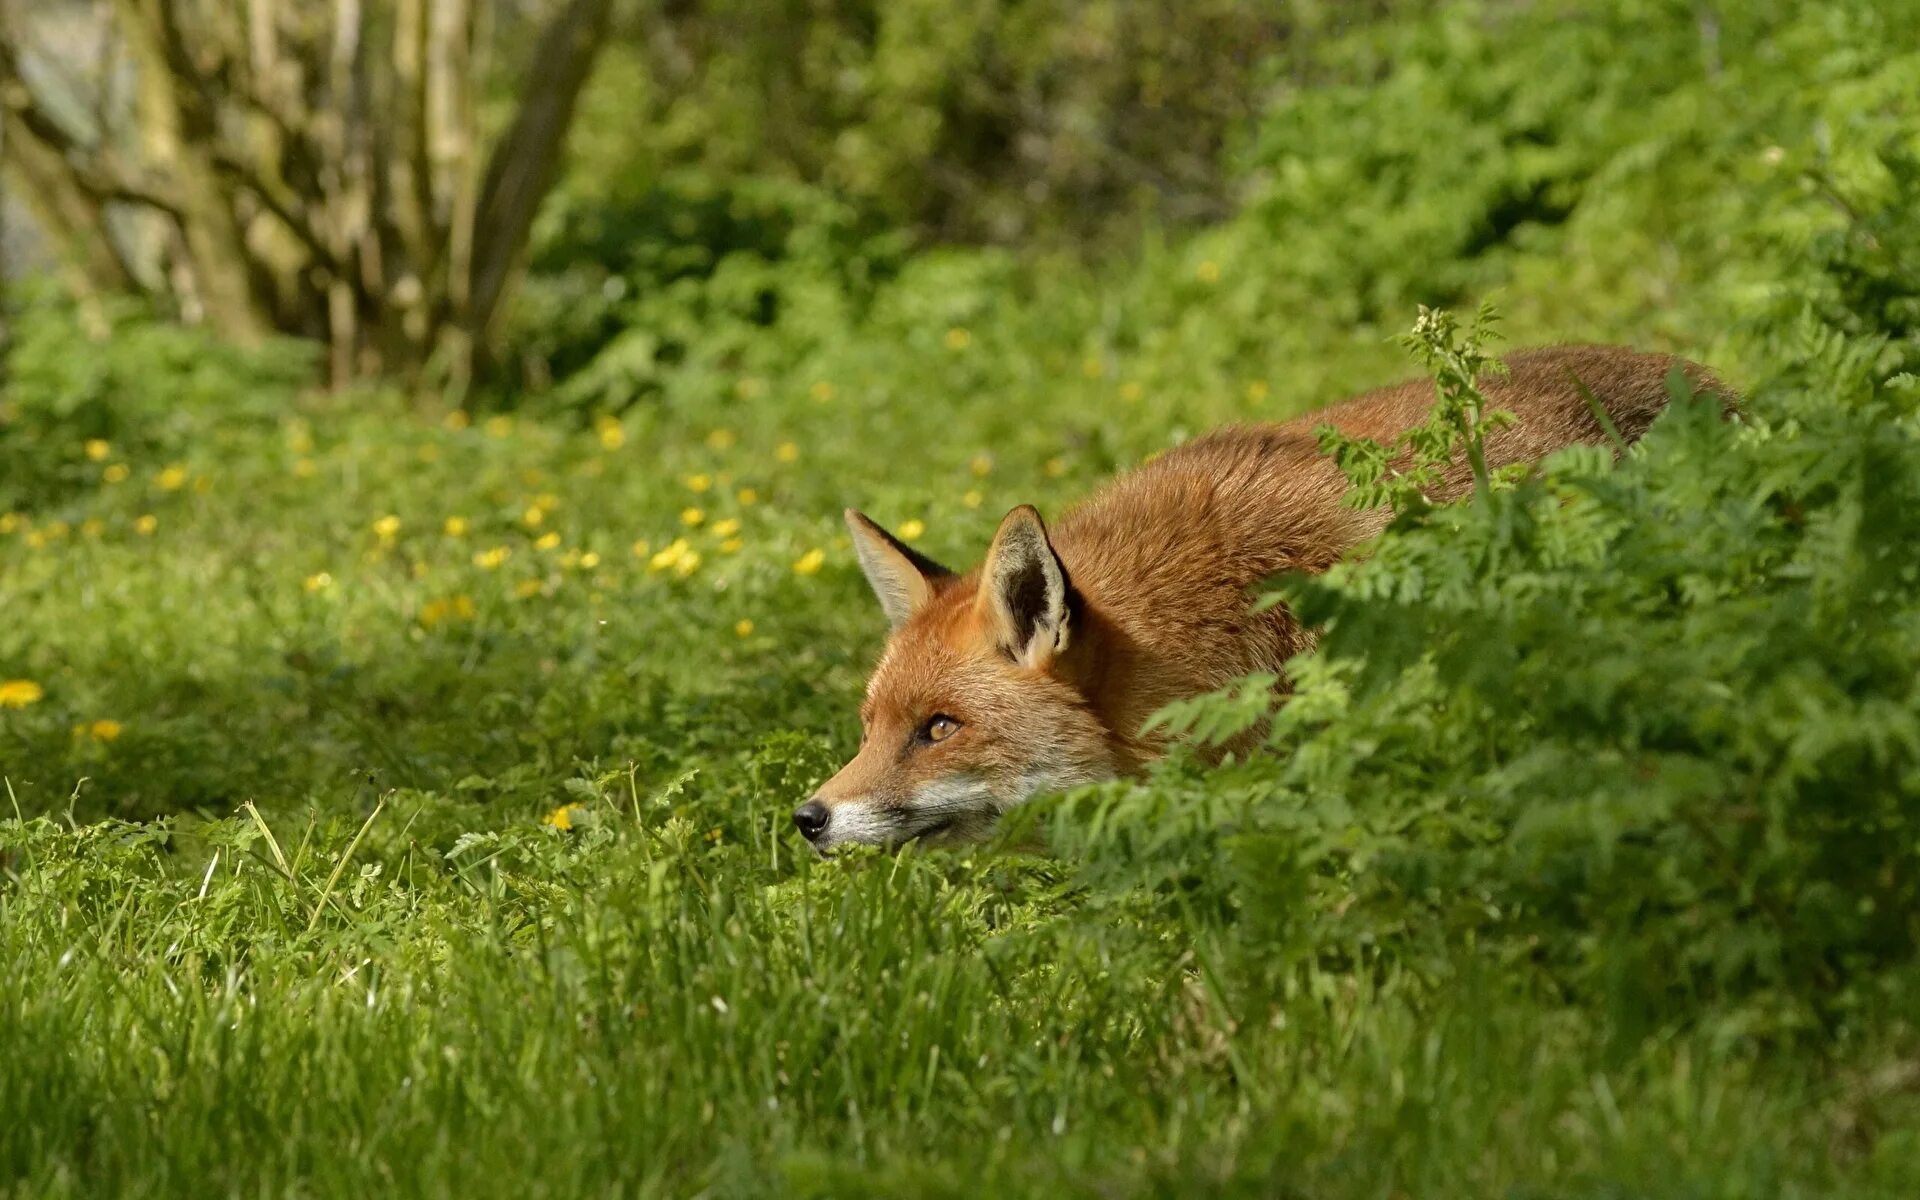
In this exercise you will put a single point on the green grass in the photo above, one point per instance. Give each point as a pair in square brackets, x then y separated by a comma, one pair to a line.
[298, 920]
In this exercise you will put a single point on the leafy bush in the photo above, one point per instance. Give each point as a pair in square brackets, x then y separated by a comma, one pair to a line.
[1649, 734]
[75, 404]
[995, 121]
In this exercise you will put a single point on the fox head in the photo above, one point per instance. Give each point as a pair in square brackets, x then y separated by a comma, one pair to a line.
[979, 699]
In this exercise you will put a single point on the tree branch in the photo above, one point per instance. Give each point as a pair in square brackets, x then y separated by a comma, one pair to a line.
[410, 182]
[179, 131]
[72, 218]
[279, 199]
[92, 168]
[525, 160]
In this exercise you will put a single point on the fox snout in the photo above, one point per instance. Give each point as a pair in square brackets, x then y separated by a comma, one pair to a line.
[866, 820]
[811, 820]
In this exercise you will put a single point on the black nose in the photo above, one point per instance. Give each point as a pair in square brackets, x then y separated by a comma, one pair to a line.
[811, 819]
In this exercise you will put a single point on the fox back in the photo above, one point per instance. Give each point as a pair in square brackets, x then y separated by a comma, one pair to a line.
[1036, 671]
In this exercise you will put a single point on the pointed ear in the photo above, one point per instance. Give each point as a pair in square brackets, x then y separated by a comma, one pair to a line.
[1023, 590]
[902, 578]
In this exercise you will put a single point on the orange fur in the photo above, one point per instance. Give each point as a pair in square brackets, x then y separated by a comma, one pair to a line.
[1052, 655]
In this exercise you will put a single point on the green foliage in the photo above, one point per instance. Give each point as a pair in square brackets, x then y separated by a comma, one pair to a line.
[1404, 476]
[996, 121]
[1650, 732]
[736, 162]
[148, 390]
[401, 801]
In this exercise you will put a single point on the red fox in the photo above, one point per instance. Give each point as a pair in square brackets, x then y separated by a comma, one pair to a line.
[1036, 671]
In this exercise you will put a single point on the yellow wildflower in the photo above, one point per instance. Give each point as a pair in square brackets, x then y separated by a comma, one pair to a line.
[98, 449]
[1207, 272]
[318, 583]
[810, 562]
[36, 539]
[303, 468]
[787, 452]
[487, 560]
[642, 548]
[116, 473]
[9, 522]
[546, 541]
[145, 524]
[747, 497]
[689, 562]
[691, 517]
[722, 439]
[589, 561]
[546, 500]
[172, 479]
[698, 483]
[459, 607]
[388, 527]
[1256, 391]
[973, 498]
[455, 527]
[92, 527]
[104, 730]
[562, 818]
[981, 466]
[958, 338]
[1055, 467]
[527, 589]
[457, 419]
[669, 556]
[743, 627]
[1130, 390]
[18, 693]
[726, 528]
[731, 546]
[912, 528]
[499, 426]
[822, 391]
[613, 435]
[533, 517]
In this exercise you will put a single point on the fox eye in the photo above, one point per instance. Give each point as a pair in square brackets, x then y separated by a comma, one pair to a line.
[939, 728]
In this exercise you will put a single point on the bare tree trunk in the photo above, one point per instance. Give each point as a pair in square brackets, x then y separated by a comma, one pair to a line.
[453, 124]
[316, 169]
[523, 165]
[71, 218]
[178, 127]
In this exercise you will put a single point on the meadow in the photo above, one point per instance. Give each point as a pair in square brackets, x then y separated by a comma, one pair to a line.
[399, 785]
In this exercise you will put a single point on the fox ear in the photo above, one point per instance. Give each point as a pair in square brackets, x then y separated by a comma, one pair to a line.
[902, 578]
[1023, 590]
